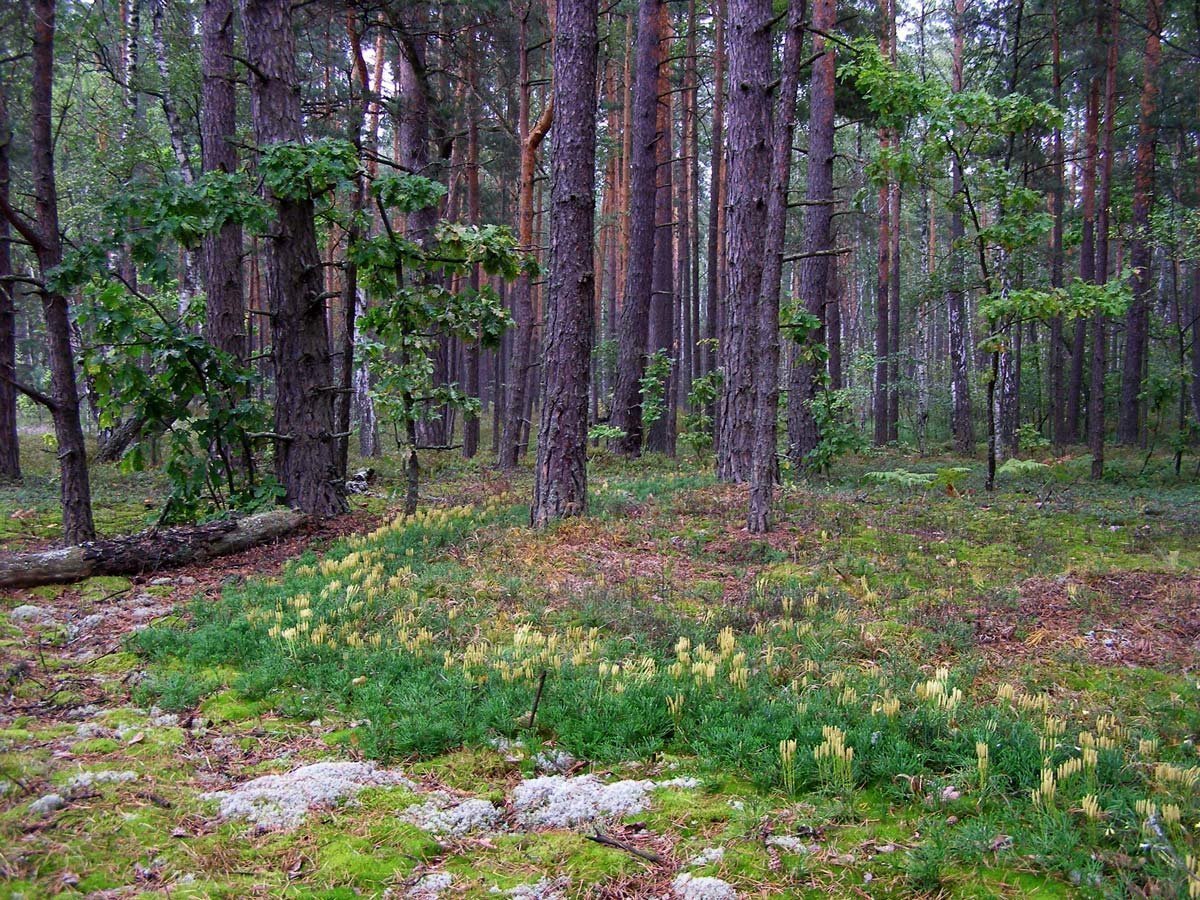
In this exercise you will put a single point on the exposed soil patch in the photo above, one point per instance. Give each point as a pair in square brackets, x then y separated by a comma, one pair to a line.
[1122, 618]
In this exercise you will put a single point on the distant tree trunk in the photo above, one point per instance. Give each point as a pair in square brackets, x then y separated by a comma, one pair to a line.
[713, 289]
[817, 265]
[692, 80]
[46, 240]
[10, 448]
[221, 253]
[1087, 247]
[305, 448]
[1096, 416]
[1137, 323]
[958, 327]
[1058, 203]
[894, 313]
[522, 292]
[1196, 341]
[471, 349]
[765, 464]
[883, 272]
[833, 322]
[660, 435]
[560, 476]
[639, 276]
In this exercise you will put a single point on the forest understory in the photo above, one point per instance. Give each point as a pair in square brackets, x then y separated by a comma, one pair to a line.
[910, 688]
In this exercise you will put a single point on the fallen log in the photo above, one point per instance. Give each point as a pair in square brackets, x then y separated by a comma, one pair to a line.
[147, 551]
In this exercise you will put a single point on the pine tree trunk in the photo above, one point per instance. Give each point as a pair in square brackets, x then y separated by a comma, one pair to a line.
[958, 326]
[765, 469]
[10, 448]
[713, 290]
[519, 360]
[560, 476]
[471, 349]
[75, 487]
[221, 252]
[1096, 399]
[305, 449]
[1137, 322]
[660, 435]
[639, 276]
[748, 39]
[1055, 359]
[817, 265]
[1087, 248]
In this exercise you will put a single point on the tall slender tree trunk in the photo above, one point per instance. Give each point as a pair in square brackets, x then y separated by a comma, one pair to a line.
[817, 265]
[305, 446]
[221, 252]
[765, 467]
[639, 276]
[1096, 400]
[894, 200]
[713, 289]
[1055, 360]
[560, 476]
[519, 361]
[46, 241]
[958, 326]
[883, 271]
[1087, 246]
[748, 39]
[660, 435]
[471, 349]
[1137, 320]
[10, 448]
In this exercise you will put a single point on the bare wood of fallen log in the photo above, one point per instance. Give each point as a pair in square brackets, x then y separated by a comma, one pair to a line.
[147, 551]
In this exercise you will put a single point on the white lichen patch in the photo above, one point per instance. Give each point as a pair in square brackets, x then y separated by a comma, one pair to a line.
[442, 814]
[431, 886]
[84, 780]
[555, 762]
[690, 887]
[282, 801]
[557, 802]
[537, 890]
[789, 844]
[709, 856]
[47, 804]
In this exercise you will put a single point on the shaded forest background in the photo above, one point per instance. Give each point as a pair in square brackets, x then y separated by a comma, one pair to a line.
[241, 240]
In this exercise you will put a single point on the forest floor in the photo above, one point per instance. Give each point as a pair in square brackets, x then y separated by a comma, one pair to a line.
[911, 688]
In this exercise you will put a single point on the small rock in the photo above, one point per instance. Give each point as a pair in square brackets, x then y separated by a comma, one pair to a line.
[161, 580]
[185, 580]
[47, 804]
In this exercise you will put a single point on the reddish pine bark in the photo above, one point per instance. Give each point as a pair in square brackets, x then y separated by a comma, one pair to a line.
[560, 477]
[1137, 319]
[748, 39]
[639, 276]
